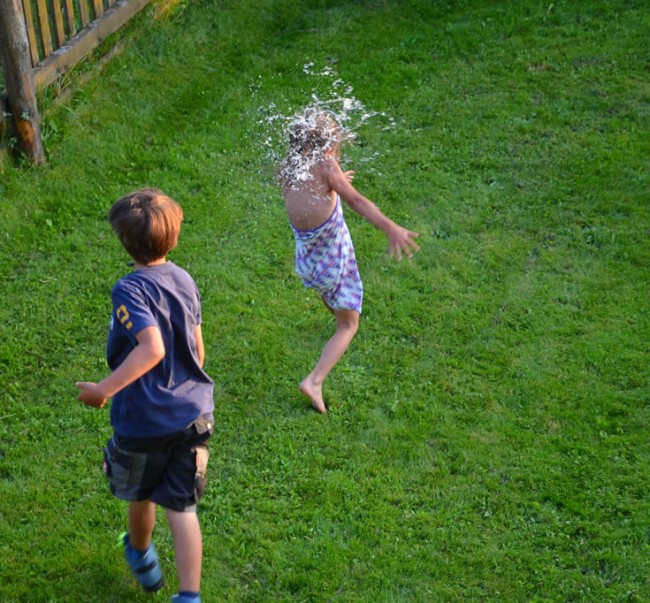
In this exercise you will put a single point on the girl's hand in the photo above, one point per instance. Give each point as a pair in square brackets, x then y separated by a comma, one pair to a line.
[402, 241]
[91, 395]
[349, 175]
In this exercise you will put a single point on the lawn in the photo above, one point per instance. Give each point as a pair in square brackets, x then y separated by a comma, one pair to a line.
[488, 433]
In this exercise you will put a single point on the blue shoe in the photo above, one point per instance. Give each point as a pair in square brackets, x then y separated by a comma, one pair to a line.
[146, 568]
[184, 599]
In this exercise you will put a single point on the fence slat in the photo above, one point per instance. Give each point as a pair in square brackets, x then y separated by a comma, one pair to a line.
[31, 32]
[83, 10]
[58, 23]
[72, 23]
[99, 8]
[46, 38]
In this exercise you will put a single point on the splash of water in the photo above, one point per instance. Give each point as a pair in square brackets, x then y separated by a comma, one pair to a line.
[330, 95]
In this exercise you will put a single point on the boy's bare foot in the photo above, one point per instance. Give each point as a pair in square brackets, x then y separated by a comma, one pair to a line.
[315, 394]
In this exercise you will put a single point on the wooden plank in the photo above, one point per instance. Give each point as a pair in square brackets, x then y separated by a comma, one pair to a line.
[18, 79]
[83, 10]
[98, 5]
[58, 23]
[72, 23]
[46, 37]
[85, 41]
[31, 31]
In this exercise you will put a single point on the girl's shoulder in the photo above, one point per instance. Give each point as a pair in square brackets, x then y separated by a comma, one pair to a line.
[325, 167]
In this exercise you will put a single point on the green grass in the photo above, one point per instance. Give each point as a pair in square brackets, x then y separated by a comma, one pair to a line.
[488, 437]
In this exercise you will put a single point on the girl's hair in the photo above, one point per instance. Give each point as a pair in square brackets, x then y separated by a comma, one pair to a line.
[147, 222]
[311, 134]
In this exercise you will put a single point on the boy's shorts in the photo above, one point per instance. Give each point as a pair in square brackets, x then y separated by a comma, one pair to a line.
[170, 471]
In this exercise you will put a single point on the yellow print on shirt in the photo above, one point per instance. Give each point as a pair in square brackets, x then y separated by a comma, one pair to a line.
[124, 317]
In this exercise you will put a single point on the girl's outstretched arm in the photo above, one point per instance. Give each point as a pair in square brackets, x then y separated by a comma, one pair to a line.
[401, 240]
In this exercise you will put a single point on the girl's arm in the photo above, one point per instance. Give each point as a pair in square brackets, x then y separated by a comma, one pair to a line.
[142, 358]
[400, 239]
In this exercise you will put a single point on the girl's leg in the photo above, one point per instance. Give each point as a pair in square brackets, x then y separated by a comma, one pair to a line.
[142, 519]
[188, 547]
[347, 324]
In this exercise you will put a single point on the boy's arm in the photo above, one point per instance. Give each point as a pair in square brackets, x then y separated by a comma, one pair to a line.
[401, 240]
[142, 358]
[200, 347]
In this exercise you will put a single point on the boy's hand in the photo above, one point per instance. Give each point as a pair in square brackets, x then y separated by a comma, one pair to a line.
[402, 241]
[91, 395]
[349, 175]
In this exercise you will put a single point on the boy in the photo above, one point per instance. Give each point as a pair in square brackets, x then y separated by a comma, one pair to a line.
[162, 406]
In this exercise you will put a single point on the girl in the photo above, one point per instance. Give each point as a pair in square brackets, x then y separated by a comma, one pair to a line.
[313, 184]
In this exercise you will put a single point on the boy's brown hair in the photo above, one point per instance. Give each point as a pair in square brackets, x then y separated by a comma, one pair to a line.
[147, 222]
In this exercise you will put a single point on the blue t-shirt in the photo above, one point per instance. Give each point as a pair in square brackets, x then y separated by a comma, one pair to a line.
[177, 391]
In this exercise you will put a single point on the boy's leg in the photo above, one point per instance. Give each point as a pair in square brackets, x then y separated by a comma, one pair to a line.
[139, 551]
[188, 547]
[142, 519]
[347, 324]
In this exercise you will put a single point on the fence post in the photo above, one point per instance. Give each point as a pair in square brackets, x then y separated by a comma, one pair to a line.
[14, 48]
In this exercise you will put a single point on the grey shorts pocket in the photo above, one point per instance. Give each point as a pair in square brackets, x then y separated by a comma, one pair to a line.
[124, 471]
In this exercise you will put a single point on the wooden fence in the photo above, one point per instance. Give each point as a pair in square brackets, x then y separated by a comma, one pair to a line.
[59, 33]
[62, 32]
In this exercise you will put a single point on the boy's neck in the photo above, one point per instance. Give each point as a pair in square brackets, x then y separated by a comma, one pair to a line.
[157, 262]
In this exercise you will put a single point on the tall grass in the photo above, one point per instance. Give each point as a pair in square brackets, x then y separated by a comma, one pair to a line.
[488, 435]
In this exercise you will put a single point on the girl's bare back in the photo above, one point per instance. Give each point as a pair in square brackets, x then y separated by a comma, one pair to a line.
[311, 201]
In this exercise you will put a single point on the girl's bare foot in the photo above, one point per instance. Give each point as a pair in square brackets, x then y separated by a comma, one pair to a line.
[315, 394]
